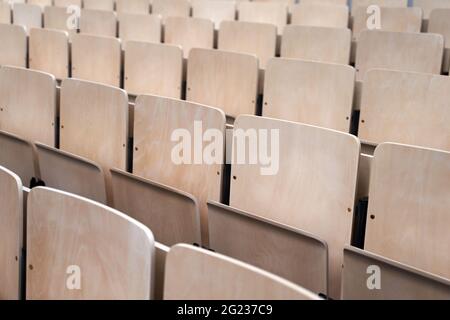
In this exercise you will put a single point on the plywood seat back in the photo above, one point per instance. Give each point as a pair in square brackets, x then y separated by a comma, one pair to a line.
[429, 5]
[98, 22]
[380, 3]
[5, 13]
[171, 8]
[105, 5]
[270, 12]
[139, 27]
[320, 15]
[67, 3]
[217, 11]
[133, 6]
[61, 18]
[13, 51]
[27, 15]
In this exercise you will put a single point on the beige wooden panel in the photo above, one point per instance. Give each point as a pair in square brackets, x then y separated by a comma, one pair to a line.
[103, 62]
[94, 122]
[161, 252]
[225, 80]
[106, 5]
[320, 15]
[313, 189]
[269, 12]
[440, 23]
[189, 33]
[5, 13]
[287, 252]
[114, 253]
[380, 3]
[58, 17]
[399, 51]
[152, 68]
[365, 165]
[405, 107]
[66, 3]
[315, 93]
[198, 274]
[133, 6]
[259, 39]
[172, 215]
[409, 207]
[28, 104]
[27, 15]
[13, 50]
[171, 8]
[67, 172]
[98, 22]
[139, 27]
[335, 2]
[49, 51]
[18, 156]
[155, 121]
[217, 11]
[41, 3]
[391, 19]
[11, 231]
[316, 43]
[398, 281]
[429, 5]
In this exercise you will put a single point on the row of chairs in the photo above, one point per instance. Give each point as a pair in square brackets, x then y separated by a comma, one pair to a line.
[317, 181]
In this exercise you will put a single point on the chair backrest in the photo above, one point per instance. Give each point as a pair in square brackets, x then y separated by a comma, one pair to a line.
[409, 207]
[396, 282]
[320, 15]
[310, 92]
[195, 274]
[316, 43]
[41, 3]
[70, 238]
[49, 51]
[102, 64]
[13, 51]
[380, 3]
[159, 126]
[268, 245]
[222, 79]
[266, 12]
[259, 39]
[11, 234]
[67, 3]
[98, 22]
[172, 215]
[171, 8]
[153, 68]
[403, 51]
[28, 104]
[335, 2]
[133, 6]
[429, 5]
[61, 18]
[68, 172]
[139, 27]
[5, 13]
[106, 5]
[27, 15]
[440, 23]
[405, 107]
[310, 179]
[189, 33]
[217, 11]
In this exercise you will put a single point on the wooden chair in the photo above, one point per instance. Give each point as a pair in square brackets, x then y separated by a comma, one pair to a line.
[13, 51]
[380, 3]
[233, 91]
[42, 3]
[5, 13]
[189, 33]
[98, 22]
[217, 11]
[287, 252]
[264, 12]
[152, 68]
[309, 186]
[171, 8]
[67, 3]
[320, 15]
[28, 104]
[27, 15]
[133, 6]
[105, 5]
[310, 92]
[439, 23]
[428, 6]
[102, 64]
[57, 18]
[139, 27]
[70, 236]
[334, 2]
[172, 215]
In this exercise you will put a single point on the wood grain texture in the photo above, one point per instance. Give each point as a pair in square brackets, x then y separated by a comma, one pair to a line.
[115, 253]
[56, 18]
[380, 3]
[440, 23]
[133, 6]
[217, 11]
[313, 189]
[171, 8]
[13, 51]
[27, 15]
[429, 5]
[66, 3]
[197, 274]
[409, 201]
[320, 15]
[161, 252]
[41, 3]
[106, 5]
[98, 22]
[139, 27]
[270, 12]
[5, 13]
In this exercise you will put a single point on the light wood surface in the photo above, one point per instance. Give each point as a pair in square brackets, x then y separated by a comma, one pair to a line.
[114, 253]
[28, 104]
[133, 6]
[172, 215]
[11, 231]
[155, 120]
[440, 23]
[409, 201]
[189, 33]
[98, 22]
[217, 11]
[106, 5]
[316, 43]
[198, 274]
[315, 93]
[56, 18]
[66, 3]
[49, 51]
[334, 2]
[313, 190]
[102, 64]
[380, 3]
[161, 252]
[13, 51]
[5, 13]
[270, 12]
[287, 252]
[171, 8]
[320, 15]
[429, 5]
[259, 39]
[225, 80]
[41, 3]
[27, 15]
[152, 68]
[405, 107]
[365, 165]
[401, 51]
[139, 27]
